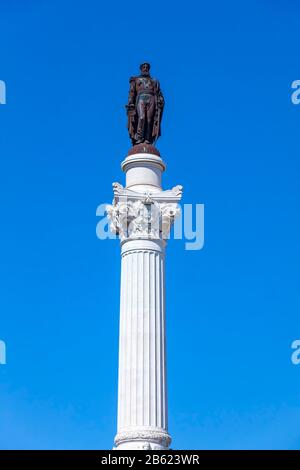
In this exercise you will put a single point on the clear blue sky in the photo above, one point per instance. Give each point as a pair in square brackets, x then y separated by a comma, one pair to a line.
[230, 137]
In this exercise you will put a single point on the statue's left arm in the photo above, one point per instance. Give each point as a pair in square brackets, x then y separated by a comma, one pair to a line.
[160, 97]
[160, 102]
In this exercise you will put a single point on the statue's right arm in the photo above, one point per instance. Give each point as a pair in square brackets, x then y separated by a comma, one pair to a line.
[132, 92]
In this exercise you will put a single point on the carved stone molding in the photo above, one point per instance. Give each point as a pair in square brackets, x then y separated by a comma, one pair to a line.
[148, 439]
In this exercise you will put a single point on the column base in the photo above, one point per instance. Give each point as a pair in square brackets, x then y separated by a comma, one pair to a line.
[142, 439]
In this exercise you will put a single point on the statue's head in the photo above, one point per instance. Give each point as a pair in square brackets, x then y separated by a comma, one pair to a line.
[145, 69]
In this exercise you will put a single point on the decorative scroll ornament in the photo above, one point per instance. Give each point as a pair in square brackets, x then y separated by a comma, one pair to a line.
[136, 215]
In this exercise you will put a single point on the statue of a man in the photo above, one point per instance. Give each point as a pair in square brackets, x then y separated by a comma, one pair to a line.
[145, 107]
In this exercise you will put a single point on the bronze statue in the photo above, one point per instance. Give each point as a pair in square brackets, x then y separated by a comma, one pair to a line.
[144, 108]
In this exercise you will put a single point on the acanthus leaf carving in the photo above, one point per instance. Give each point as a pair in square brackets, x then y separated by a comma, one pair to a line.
[143, 215]
[140, 219]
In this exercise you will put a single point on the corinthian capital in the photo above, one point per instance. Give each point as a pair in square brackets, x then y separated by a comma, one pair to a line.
[143, 215]
[142, 219]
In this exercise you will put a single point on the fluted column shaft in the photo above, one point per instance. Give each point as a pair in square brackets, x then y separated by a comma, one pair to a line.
[142, 394]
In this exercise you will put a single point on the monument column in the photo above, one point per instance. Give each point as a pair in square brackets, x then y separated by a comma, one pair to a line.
[142, 215]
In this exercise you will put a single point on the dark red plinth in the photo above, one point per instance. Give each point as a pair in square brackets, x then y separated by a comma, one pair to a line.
[143, 148]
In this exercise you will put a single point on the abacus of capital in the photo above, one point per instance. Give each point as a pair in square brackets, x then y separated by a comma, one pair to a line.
[141, 215]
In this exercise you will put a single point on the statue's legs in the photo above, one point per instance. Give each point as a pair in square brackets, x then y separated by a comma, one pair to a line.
[141, 112]
[145, 111]
[150, 115]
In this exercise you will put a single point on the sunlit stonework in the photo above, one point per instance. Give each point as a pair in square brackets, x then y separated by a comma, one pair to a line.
[135, 215]
[142, 215]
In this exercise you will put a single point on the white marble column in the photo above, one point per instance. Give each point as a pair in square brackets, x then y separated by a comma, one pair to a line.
[142, 400]
[142, 214]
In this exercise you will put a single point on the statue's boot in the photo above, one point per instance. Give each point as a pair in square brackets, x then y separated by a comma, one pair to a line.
[149, 138]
